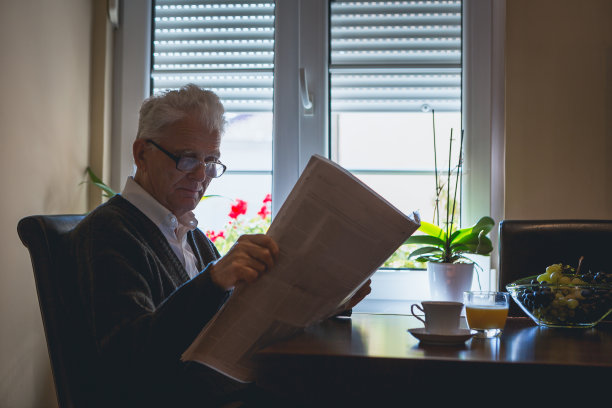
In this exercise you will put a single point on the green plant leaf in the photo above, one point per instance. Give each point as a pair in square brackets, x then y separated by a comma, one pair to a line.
[424, 251]
[432, 230]
[485, 225]
[430, 258]
[95, 180]
[454, 235]
[206, 197]
[465, 236]
[425, 240]
[480, 245]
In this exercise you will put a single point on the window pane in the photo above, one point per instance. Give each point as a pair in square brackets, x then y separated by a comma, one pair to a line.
[395, 141]
[247, 142]
[395, 71]
[228, 47]
[214, 213]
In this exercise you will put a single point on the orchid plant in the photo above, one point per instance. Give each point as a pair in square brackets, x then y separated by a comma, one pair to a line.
[442, 240]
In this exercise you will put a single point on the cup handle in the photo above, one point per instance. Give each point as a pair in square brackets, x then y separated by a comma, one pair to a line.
[418, 307]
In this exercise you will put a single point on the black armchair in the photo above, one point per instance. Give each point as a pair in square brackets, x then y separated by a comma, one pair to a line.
[70, 346]
[527, 247]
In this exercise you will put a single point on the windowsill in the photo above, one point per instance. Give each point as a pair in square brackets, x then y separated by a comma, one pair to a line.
[393, 292]
[390, 307]
[382, 306]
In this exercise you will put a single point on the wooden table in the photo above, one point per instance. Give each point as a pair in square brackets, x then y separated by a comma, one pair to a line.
[370, 359]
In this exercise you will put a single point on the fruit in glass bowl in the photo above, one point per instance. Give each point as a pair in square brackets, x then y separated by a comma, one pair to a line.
[561, 297]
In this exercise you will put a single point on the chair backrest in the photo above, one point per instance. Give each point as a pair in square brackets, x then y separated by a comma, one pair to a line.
[527, 247]
[69, 342]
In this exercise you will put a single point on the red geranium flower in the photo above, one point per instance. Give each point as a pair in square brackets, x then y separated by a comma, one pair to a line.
[212, 235]
[264, 212]
[239, 208]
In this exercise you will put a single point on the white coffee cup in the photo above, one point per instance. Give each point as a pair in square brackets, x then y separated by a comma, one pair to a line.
[441, 317]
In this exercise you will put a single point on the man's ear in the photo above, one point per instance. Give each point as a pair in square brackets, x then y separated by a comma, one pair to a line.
[138, 151]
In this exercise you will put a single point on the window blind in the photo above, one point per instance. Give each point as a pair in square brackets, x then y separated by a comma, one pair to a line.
[226, 46]
[385, 55]
[395, 56]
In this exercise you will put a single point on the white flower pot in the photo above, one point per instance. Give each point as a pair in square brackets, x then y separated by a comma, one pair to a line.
[448, 281]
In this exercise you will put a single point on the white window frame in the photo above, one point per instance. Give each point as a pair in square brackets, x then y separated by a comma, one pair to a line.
[132, 58]
[299, 133]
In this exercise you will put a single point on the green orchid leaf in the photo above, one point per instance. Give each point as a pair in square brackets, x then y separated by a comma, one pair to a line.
[480, 245]
[454, 235]
[486, 246]
[430, 258]
[432, 230]
[461, 247]
[459, 257]
[464, 236]
[425, 251]
[485, 224]
[424, 240]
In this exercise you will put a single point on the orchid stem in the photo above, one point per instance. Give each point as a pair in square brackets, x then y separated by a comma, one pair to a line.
[459, 166]
[448, 186]
[437, 209]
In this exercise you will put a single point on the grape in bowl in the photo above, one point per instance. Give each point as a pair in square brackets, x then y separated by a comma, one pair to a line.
[562, 298]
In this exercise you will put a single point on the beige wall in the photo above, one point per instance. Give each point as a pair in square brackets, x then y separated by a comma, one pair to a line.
[44, 128]
[558, 109]
[558, 139]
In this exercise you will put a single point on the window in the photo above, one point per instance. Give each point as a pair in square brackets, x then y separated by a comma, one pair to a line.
[228, 47]
[392, 65]
[323, 92]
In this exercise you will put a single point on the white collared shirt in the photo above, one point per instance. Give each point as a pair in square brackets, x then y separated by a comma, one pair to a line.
[175, 230]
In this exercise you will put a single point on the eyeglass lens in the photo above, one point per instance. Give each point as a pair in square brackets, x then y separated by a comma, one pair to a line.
[211, 169]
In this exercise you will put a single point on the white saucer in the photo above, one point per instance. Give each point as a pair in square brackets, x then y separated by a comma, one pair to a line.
[458, 337]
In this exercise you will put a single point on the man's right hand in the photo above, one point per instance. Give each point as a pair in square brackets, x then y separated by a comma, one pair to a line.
[248, 258]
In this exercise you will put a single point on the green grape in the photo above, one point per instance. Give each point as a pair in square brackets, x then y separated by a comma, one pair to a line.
[545, 277]
[554, 268]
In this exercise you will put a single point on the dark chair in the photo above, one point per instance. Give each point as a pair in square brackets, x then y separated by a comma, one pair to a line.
[70, 343]
[527, 247]
[70, 346]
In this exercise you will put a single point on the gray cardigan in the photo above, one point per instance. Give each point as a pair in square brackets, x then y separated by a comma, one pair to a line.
[142, 308]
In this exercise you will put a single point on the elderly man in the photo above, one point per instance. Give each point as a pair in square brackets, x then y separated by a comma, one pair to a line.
[149, 278]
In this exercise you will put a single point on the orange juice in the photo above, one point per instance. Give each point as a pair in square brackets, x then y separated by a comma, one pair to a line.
[482, 317]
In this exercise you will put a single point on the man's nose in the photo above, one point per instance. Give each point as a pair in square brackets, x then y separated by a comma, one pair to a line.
[199, 173]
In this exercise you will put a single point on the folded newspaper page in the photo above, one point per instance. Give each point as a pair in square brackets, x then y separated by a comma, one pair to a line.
[333, 233]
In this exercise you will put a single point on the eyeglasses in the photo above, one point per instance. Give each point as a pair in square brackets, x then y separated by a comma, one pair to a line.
[187, 164]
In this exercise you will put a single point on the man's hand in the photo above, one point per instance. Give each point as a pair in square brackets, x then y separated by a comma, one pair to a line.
[248, 258]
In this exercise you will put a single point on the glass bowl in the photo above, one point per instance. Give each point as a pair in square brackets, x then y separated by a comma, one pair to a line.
[562, 305]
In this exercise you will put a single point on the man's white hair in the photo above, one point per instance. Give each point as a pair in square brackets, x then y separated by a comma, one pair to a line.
[163, 109]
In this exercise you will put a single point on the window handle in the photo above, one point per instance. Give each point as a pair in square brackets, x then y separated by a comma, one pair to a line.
[304, 94]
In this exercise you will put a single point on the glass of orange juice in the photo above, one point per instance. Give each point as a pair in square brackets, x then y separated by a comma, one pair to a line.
[486, 312]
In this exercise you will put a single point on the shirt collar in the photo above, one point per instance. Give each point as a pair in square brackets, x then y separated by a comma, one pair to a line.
[160, 215]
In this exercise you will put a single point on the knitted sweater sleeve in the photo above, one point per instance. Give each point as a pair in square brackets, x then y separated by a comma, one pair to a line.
[143, 310]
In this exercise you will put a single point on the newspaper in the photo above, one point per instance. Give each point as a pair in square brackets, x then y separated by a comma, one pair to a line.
[333, 233]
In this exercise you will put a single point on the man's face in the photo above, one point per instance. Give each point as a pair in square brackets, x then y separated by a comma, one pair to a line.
[179, 192]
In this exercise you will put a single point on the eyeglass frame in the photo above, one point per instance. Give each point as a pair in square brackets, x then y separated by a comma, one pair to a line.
[176, 160]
